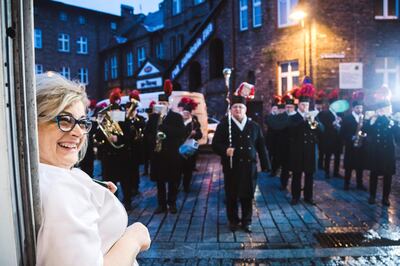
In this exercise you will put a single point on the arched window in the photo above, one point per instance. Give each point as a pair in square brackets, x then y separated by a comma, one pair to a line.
[195, 76]
[216, 58]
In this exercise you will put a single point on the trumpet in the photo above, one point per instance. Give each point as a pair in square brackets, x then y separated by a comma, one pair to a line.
[358, 137]
[310, 117]
[109, 127]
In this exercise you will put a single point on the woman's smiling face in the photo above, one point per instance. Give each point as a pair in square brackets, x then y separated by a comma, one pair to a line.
[60, 148]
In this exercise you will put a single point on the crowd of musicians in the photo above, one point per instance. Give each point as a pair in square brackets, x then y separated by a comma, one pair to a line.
[297, 142]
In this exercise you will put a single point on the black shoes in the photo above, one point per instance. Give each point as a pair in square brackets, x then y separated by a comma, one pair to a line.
[172, 209]
[386, 202]
[246, 228]
[160, 209]
[309, 201]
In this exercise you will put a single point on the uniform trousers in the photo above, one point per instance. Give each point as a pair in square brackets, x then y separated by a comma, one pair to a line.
[359, 176]
[373, 182]
[308, 185]
[163, 198]
[336, 163]
[232, 210]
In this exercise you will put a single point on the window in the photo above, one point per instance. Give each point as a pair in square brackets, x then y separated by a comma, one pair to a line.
[243, 19]
[65, 71]
[82, 45]
[83, 75]
[63, 42]
[38, 69]
[105, 70]
[285, 7]
[82, 20]
[387, 72]
[257, 13]
[181, 41]
[63, 16]
[129, 64]
[159, 50]
[38, 38]
[197, 2]
[141, 56]
[176, 7]
[288, 76]
[386, 9]
[113, 25]
[114, 67]
[173, 46]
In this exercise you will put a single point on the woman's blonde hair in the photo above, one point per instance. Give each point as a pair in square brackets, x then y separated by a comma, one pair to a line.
[54, 94]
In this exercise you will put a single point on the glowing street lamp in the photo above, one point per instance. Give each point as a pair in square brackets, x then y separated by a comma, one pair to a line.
[298, 15]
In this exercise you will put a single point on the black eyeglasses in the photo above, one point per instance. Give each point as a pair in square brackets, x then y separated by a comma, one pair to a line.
[67, 122]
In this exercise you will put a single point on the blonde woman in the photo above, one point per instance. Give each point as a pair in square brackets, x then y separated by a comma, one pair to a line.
[83, 223]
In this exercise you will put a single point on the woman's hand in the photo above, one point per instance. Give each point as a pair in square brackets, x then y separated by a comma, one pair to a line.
[140, 234]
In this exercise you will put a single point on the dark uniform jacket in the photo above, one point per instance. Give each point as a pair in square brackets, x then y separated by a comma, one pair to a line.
[354, 158]
[165, 165]
[240, 181]
[133, 139]
[381, 145]
[302, 140]
[330, 141]
[194, 125]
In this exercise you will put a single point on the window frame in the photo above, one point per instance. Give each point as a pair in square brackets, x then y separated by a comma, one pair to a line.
[82, 42]
[64, 42]
[38, 38]
[65, 74]
[243, 9]
[176, 7]
[160, 50]
[289, 75]
[114, 67]
[129, 64]
[106, 70]
[289, 8]
[141, 55]
[385, 71]
[37, 67]
[82, 74]
[257, 4]
[385, 9]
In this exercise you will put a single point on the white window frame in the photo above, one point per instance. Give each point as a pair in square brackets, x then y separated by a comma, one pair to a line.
[176, 7]
[114, 67]
[38, 39]
[198, 2]
[288, 11]
[141, 56]
[66, 72]
[257, 5]
[82, 43]
[106, 70]
[83, 75]
[82, 20]
[243, 15]
[386, 71]
[288, 75]
[160, 50]
[38, 68]
[385, 9]
[129, 64]
[63, 39]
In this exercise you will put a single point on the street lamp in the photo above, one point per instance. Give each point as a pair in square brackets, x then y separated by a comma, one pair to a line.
[300, 15]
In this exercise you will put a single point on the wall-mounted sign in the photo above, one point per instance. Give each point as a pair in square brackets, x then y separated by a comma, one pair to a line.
[351, 75]
[149, 83]
[148, 69]
[333, 55]
[205, 34]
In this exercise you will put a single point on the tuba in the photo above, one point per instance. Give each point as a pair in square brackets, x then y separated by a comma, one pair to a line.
[310, 117]
[109, 127]
[358, 137]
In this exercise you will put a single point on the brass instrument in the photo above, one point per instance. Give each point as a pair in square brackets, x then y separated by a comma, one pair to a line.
[109, 127]
[310, 117]
[160, 136]
[358, 137]
[138, 132]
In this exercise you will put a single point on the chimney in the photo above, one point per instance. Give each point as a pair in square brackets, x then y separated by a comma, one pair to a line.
[126, 11]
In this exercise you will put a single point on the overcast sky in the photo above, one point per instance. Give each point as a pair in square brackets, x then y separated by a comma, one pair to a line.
[113, 6]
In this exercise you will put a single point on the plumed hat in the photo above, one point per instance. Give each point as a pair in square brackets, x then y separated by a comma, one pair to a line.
[168, 87]
[320, 97]
[306, 91]
[115, 96]
[246, 90]
[288, 99]
[238, 99]
[357, 98]
[276, 100]
[92, 103]
[333, 95]
[188, 104]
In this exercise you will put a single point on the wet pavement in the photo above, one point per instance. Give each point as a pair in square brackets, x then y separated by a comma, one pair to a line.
[282, 234]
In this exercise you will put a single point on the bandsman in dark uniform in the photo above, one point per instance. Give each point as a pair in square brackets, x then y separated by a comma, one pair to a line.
[240, 177]
[302, 141]
[147, 152]
[192, 131]
[382, 131]
[353, 137]
[166, 132]
[319, 105]
[132, 152]
[330, 141]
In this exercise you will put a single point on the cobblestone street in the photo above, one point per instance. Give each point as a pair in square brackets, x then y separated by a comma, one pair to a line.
[282, 234]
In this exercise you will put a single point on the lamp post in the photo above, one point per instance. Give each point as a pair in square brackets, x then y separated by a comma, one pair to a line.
[300, 15]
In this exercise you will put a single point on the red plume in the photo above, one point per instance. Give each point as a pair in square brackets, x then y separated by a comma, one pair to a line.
[277, 99]
[307, 89]
[334, 94]
[168, 87]
[357, 95]
[287, 96]
[152, 103]
[115, 96]
[320, 95]
[295, 92]
[134, 94]
[92, 103]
